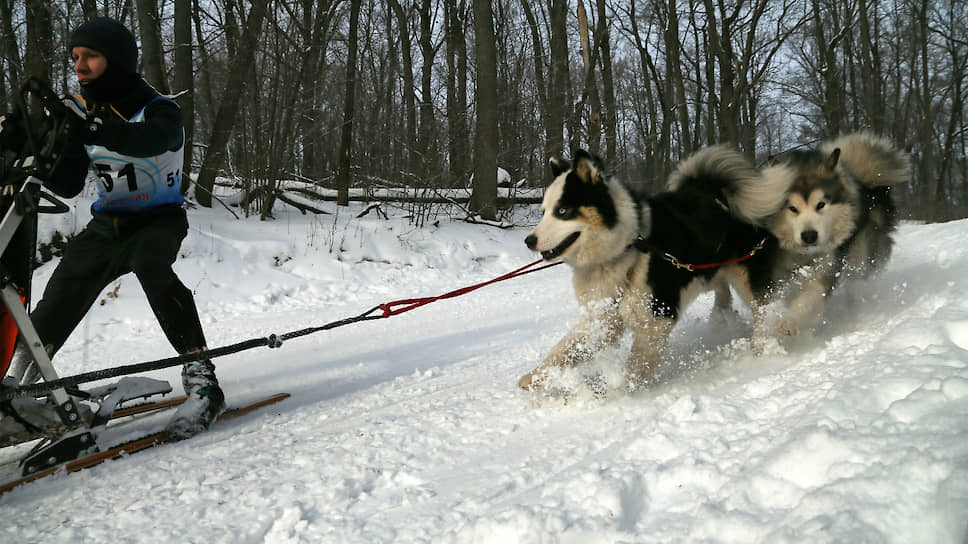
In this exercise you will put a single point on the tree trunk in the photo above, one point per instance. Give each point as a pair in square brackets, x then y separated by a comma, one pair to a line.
[38, 57]
[89, 8]
[8, 46]
[832, 97]
[343, 175]
[152, 55]
[541, 87]
[675, 86]
[871, 78]
[185, 81]
[608, 87]
[427, 134]
[456, 94]
[484, 196]
[590, 92]
[310, 130]
[721, 48]
[558, 109]
[409, 98]
[927, 175]
[654, 157]
[228, 111]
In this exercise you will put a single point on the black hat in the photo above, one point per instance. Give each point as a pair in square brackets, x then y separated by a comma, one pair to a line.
[110, 38]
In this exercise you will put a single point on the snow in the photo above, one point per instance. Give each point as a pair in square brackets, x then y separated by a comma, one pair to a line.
[411, 429]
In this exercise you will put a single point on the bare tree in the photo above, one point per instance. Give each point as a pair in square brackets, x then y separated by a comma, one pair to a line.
[227, 112]
[542, 88]
[185, 81]
[643, 81]
[38, 57]
[558, 103]
[427, 134]
[409, 93]
[484, 196]
[343, 175]
[456, 92]
[152, 55]
[11, 54]
[608, 85]
[89, 8]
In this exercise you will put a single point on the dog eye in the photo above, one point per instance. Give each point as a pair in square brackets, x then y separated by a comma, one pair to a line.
[561, 212]
[820, 205]
[793, 209]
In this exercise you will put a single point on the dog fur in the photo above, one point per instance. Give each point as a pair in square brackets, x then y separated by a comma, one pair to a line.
[617, 247]
[837, 223]
[814, 219]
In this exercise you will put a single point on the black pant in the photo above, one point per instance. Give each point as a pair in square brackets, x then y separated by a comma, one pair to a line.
[146, 246]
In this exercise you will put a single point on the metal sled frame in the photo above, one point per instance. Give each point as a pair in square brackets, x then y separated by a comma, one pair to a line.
[66, 407]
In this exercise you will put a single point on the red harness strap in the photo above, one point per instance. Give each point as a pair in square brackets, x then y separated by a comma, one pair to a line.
[692, 267]
[411, 303]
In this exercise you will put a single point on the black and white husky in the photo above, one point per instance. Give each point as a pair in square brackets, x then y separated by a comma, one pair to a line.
[638, 263]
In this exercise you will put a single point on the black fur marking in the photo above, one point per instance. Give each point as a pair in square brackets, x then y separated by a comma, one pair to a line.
[691, 225]
[559, 166]
[878, 213]
[577, 193]
[814, 172]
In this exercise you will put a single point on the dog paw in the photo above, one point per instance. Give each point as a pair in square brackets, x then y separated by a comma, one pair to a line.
[530, 381]
[789, 327]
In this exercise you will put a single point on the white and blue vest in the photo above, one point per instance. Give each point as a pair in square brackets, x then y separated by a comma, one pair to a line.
[132, 184]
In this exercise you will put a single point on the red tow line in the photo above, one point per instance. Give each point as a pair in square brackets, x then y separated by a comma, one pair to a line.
[408, 304]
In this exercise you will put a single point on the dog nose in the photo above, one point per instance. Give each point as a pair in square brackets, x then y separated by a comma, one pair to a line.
[531, 241]
[809, 237]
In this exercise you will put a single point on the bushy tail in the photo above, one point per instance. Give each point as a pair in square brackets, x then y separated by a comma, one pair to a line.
[750, 193]
[870, 159]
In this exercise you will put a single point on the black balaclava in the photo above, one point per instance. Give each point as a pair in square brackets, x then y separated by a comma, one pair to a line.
[121, 79]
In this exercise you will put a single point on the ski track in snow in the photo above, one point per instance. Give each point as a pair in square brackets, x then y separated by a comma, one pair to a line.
[411, 429]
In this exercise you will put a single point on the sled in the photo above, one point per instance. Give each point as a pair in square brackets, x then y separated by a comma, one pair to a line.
[69, 418]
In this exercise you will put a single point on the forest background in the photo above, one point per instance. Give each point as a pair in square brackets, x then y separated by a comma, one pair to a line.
[436, 95]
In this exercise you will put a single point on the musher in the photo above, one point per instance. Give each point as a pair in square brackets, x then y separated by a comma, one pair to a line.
[133, 139]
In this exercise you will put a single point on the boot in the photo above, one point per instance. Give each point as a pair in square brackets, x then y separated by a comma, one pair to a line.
[23, 369]
[205, 401]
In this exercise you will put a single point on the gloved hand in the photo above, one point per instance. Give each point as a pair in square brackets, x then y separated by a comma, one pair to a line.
[84, 127]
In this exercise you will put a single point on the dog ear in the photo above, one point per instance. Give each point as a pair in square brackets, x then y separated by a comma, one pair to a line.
[588, 167]
[558, 166]
[831, 162]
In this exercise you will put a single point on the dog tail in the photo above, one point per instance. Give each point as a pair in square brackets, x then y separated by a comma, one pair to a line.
[871, 159]
[750, 193]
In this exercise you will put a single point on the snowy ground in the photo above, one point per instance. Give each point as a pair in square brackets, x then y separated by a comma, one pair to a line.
[411, 429]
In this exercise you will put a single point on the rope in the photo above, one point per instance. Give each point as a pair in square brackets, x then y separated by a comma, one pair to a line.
[271, 341]
[412, 303]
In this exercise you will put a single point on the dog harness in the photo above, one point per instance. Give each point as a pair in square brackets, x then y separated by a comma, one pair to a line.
[645, 246]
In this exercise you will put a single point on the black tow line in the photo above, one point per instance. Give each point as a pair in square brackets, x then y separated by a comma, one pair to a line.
[271, 341]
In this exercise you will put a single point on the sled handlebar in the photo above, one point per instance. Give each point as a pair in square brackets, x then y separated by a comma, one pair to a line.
[41, 125]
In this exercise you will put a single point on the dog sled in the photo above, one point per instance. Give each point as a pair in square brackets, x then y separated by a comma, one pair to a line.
[66, 421]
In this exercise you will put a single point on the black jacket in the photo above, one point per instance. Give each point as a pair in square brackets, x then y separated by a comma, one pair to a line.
[161, 131]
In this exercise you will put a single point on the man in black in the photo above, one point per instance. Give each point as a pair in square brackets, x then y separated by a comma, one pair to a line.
[133, 138]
